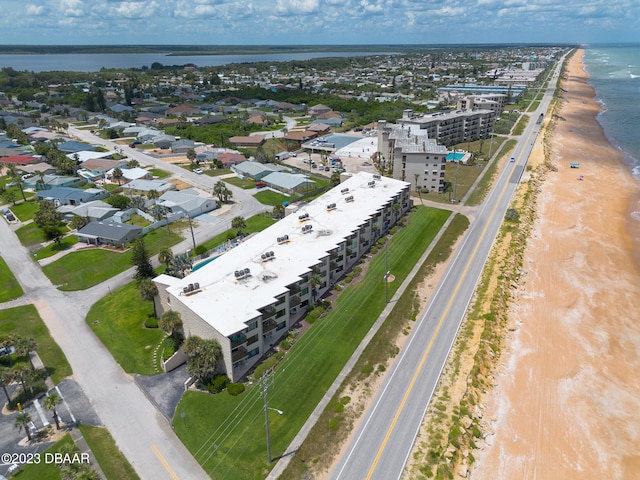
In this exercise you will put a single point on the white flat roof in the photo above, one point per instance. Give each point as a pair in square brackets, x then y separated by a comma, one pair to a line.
[227, 304]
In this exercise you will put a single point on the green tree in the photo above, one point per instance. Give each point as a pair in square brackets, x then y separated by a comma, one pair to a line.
[22, 421]
[12, 172]
[191, 156]
[315, 280]
[238, 224]
[117, 175]
[5, 378]
[171, 323]
[50, 403]
[148, 291]
[221, 191]
[118, 201]
[24, 346]
[165, 256]
[203, 357]
[278, 211]
[140, 259]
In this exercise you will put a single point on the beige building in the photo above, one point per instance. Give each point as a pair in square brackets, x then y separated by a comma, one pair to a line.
[415, 157]
[249, 297]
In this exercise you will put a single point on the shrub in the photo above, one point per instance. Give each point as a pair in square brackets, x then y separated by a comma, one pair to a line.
[201, 250]
[151, 322]
[217, 383]
[235, 389]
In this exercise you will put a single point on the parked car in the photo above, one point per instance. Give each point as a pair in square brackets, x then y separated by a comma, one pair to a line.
[313, 165]
[10, 217]
[293, 154]
[260, 184]
[198, 171]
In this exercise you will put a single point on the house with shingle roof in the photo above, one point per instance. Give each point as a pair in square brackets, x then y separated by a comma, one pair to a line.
[247, 140]
[108, 233]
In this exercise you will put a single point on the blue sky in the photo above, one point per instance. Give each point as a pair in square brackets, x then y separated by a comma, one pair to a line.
[280, 22]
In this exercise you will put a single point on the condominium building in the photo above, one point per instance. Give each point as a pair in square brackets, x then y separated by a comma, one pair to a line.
[414, 156]
[252, 295]
[452, 127]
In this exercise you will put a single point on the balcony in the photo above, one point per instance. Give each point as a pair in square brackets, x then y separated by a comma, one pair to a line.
[239, 354]
[268, 325]
[238, 340]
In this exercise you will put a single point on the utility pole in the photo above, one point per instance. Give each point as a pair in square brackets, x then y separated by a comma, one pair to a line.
[265, 383]
[193, 238]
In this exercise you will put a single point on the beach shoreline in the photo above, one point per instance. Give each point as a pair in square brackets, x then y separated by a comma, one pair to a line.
[566, 388]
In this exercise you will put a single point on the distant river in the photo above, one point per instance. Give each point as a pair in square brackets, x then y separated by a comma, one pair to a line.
[86, 62]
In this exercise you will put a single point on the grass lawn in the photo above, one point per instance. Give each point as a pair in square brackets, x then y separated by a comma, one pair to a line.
[216, 172]
[30, 234]
[239, 182]
[9, 286]
[26, 322]
[83, 269]
[113, 463]
[118, 321]
[25, 210]
[305, 373]
[156, 172]
[481, 191]
[65, 244]
[42, 470]
[269, 197]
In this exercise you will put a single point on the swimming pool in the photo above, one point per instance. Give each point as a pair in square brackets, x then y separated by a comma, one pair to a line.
[202, 264]
[455, 156]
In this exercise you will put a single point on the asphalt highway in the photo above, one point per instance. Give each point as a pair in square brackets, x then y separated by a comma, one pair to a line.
[383, 442]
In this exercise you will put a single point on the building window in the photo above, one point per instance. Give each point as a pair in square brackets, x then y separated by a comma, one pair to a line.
[252, 326]
[252, 339]
[304, 291]
[253, 352]
[280, 326]
[280, 313]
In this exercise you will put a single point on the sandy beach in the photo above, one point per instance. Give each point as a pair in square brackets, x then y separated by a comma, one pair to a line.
[567, 397]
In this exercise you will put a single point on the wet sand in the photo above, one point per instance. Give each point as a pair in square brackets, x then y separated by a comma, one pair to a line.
[567, 400]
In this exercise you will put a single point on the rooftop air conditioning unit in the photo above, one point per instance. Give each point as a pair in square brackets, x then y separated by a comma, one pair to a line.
[344, 190]
[331, 206]
[371, 184]
[349, 198]
[303, 217]
[283, 239]
[307, 229]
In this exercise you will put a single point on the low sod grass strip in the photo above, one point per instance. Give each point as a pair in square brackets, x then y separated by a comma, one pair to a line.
[85, 268]
[306, 372]
[113, 463]
[43, 470]
[9, 286]
[118, 321]
[25, 322]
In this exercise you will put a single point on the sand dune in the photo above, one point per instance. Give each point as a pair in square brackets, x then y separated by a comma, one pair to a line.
[567, 400]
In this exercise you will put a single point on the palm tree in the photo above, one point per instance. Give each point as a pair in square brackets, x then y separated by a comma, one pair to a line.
[5, 376]
[12, 171]
[148, 291]
[278, 211]
[50, 403]
[238, 224]
[171, 323]
[165, 256]
[24, 346]
[397, 208]
[22, 421]
[117, 174]
[40, 182]
[315, 280]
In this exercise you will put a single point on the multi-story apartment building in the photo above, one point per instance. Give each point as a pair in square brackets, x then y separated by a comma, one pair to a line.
[252, 295]
[452, 127]
[494, 102]
[414, 156]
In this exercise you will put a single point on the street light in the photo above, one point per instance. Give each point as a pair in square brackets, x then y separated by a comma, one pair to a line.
[280, 412]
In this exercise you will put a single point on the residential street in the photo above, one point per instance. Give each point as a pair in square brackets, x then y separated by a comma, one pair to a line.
[137, 427]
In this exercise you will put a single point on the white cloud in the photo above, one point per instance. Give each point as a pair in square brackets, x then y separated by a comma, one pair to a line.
[35, 10]
[133, 10]
[297, 7]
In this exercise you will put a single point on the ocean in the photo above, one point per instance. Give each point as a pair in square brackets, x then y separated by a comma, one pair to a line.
[614, 72]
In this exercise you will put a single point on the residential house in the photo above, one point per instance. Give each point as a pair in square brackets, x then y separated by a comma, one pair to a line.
[289, 183]
[94, 211]
[71, 196]
[256, 170]
[97, 168]
[188, 201]
[49, 181]
[108, 233]
[143, 187]
[182, 146]
[72, 146]
[229, 159]
[164, 141]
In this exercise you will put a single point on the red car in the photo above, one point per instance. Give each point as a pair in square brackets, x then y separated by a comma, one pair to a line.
[260, 184]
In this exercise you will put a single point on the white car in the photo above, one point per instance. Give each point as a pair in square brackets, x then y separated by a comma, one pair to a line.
[198, 171]
[293, 154]
[512, 159]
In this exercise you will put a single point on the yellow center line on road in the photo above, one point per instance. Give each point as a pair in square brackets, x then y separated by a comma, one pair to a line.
[165, 464]
[435, 334]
